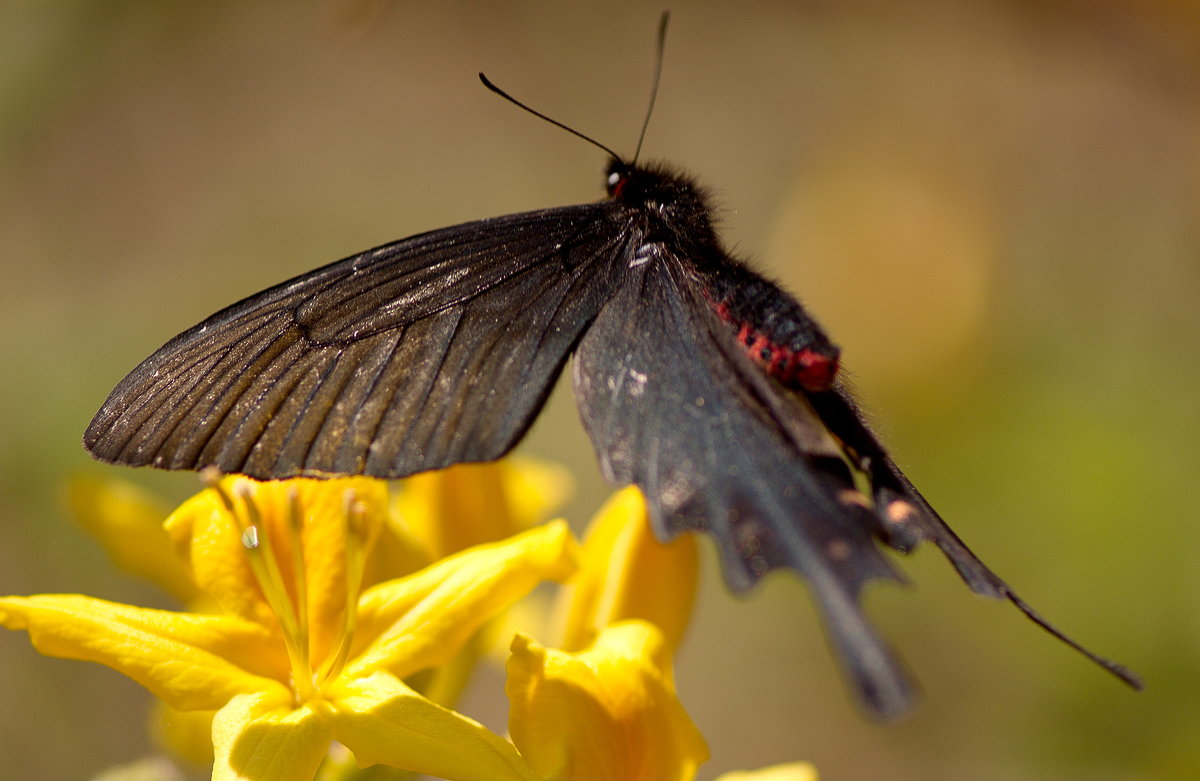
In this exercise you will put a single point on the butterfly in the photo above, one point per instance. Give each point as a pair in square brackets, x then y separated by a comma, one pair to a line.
[696, 378]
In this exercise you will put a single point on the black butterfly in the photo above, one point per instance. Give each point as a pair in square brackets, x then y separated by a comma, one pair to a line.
[696, 378]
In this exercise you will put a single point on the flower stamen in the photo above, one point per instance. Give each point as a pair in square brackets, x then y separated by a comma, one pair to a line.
[356, 532]
[264, 565]
[295, 527]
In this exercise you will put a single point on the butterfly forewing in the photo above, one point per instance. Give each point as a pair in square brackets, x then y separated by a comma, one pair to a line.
[400, 359]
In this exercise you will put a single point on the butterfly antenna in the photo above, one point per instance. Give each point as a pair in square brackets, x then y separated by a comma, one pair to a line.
[658, 63]
[540, 115]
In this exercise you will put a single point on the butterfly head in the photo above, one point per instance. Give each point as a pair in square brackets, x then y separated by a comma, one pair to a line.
[656, 187]
[651, 186]
[617, 178]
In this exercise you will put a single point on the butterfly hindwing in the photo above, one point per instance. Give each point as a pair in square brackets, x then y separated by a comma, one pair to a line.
[673, 404]
[425, 352]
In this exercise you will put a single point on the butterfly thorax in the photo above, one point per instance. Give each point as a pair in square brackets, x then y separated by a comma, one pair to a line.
[771, 326]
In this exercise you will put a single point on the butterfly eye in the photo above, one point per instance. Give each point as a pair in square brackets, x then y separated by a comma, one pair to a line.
[614, 183]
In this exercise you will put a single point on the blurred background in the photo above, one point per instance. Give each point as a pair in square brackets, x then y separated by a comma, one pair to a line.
[994, 206]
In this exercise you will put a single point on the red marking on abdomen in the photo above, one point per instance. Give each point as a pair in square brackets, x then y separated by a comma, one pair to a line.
[805, 368]
[811, 370]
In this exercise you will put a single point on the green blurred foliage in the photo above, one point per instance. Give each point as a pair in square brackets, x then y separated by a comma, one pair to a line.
[994, 206]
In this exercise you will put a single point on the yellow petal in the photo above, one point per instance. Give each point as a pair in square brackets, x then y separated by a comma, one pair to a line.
[205, 534]
[128, 523]
[185, 734]
[193, 662]
[385, 722]
[445, 683]
[791, 771]
[607, 712]
[422, 620]
[471, 504]
[396, 553]
[259, 737]
[537, 488]
[627, 573]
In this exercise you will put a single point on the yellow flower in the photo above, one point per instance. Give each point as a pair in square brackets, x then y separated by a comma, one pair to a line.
[627, 573]
[606, 706]
[608, 711]
[300, 657]
[430, 516]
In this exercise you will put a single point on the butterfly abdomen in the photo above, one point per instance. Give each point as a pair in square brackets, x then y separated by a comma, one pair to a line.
[774, 330]
[803, 368]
